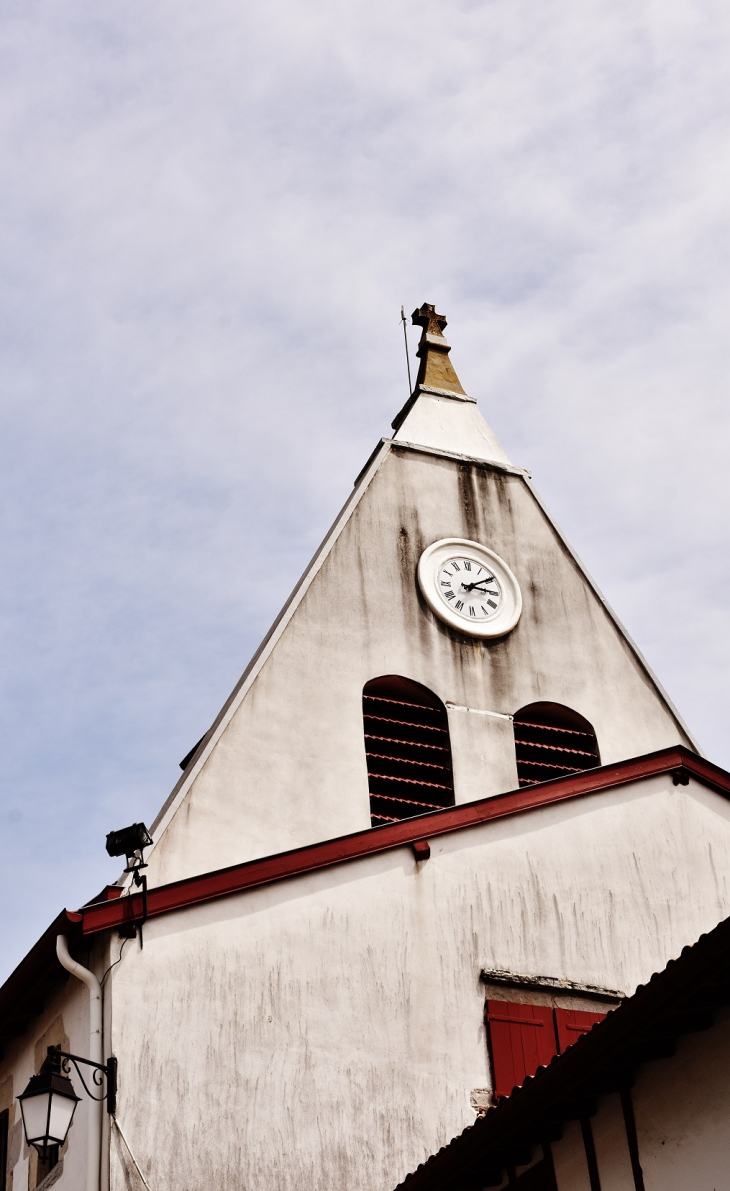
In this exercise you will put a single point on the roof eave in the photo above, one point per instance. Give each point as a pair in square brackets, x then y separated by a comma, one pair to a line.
[36, 977]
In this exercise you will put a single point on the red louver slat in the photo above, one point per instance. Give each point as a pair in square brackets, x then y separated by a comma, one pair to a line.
[552, 765]
[554, 728]
[411, 743]
[554, 748]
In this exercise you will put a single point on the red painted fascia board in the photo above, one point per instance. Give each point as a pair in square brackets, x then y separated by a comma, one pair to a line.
[239, 877]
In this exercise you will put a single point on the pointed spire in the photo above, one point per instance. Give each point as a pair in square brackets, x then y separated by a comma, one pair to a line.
[436, 370]
[438, 413]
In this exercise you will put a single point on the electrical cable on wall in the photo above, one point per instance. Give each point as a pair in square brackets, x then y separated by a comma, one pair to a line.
[135, 1163]
[116, 961]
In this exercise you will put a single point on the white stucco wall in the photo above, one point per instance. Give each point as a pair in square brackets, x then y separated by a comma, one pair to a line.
[289, 768]
[327, 1030]
[451, 424]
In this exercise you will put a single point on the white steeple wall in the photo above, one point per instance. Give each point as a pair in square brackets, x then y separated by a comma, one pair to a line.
[451, 423]
[285, 764]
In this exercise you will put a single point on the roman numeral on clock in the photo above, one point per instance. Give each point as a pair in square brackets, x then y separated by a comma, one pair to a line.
[459, 605]
[467, 565]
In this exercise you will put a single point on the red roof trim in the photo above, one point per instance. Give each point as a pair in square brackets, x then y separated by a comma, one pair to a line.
[226, 881]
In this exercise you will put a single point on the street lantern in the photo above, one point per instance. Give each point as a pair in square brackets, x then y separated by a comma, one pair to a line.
[48, 1104]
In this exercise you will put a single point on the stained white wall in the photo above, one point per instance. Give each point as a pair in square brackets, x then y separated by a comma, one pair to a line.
[327, 1030]
[289, 768]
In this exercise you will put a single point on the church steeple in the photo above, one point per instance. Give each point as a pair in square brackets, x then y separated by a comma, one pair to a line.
[439, 413]
[436, 370]
[306, 739]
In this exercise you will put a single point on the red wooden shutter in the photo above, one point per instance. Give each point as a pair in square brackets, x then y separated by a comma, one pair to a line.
[571, 1023]
[522, 1038]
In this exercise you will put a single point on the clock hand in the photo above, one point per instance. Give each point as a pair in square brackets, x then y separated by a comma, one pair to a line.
[475, 586]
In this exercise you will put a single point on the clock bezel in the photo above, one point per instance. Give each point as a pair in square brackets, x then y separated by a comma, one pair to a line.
[429, 566]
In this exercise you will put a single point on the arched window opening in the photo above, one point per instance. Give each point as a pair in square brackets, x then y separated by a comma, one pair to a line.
[407, 748]
[552, 741]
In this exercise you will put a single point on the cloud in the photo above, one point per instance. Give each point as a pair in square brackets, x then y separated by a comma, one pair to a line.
[211, 218]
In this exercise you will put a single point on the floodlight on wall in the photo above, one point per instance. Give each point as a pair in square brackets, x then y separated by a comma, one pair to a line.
[48, 1104]
[131, 842]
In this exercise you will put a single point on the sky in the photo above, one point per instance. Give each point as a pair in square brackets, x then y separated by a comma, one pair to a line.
[211, 215]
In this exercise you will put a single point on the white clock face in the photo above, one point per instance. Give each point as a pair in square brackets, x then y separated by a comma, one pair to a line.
[470, 587]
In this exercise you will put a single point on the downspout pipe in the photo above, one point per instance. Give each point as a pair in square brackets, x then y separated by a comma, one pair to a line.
[93, 1177]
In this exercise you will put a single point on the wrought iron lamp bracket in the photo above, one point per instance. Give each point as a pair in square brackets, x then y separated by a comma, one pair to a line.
[100, 1072]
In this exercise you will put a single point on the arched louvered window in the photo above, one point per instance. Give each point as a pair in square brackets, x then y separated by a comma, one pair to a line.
[552, 741]
[407, 748]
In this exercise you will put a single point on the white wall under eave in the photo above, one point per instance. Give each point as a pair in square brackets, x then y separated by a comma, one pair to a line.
[682, 1109]
[327, 1030]
[65, 1016]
